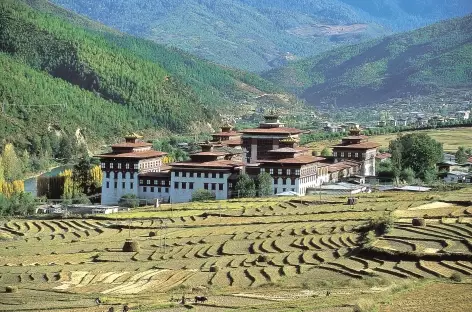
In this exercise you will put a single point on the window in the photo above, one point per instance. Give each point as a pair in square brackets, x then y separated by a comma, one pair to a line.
[141, 182]
[191, 174]
[275, 191]
[190, 185]
[279, 171]
[206, 175]
[127, 166]
[289, 172]
[131, 185]
[176, 173]
[284, 181]
[199, 175]
[184, 174]
[221, 186]
[163, 182]
[284, 190]
[230, 185]
[213, 186]
[111, 165]
[131, 175]
[349, 155]
[342, 154]
[167, 190]
[103, 165]
[148, 182]
[107, 175]
[271, 171]
[159, 189]
[293, 181]
[119, 165]
[276, 181]
[221, 176]
[213, 175]
[184, 185]
[156, 182]
[123, 185]
[176, 185]
[363, 155]
[116, 185]
[357, 155]
[297, 172]
[262, 170]
[205, 186]
[108, 184]
[145, 189]
[135, 166]
[152, 189]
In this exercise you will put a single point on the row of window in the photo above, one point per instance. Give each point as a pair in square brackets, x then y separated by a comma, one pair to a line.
[349, 155]
[281, 171]
[156, 182]
[284, 181]
[144, 165]
[123, 185]
[159, 189]
[116, 174]
[206, 186]
[207, 175]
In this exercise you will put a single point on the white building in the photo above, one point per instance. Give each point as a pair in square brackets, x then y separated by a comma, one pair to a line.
[123, 167]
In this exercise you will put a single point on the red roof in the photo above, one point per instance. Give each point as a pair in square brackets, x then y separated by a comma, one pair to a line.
[356, 137]
[365, 145]
[226, 134]
[165, 174]
[135, 155]
[278, 130]
[232, 142]
[131, 145]
[209, 154]
[296, 160]
[222, 164]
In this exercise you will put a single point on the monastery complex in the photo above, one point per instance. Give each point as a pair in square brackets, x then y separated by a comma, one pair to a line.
[133, 167]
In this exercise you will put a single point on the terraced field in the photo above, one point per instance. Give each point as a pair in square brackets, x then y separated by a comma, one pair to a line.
[230, 250]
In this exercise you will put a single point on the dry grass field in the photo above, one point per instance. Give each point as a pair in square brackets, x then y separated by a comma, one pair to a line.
[450, 138]
[257, 255]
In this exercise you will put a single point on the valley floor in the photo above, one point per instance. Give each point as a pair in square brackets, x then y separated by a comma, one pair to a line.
[269, 254]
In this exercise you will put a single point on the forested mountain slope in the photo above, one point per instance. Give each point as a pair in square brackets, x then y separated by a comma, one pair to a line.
[415, 62]
[62, 71]
[257, 35]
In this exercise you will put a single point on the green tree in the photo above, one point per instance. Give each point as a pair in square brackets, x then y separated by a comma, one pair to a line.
[245, 187]
[264, 184]
[2, 175]
[417, 151]
[66, 151]
[407, 175]
[82, 174]
[326, 152]
[202, 195]
[461, 155]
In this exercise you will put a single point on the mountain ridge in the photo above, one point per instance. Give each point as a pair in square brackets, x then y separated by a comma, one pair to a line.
[416, 62]
[255, 34]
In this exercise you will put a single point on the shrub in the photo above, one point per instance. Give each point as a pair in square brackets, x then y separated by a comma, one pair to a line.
[456, 277]
[214, 269]
[202, 195]
[365, 305]
[11, 289]
[129, 201]
[418, 222]
[152, 234]
[130, 246]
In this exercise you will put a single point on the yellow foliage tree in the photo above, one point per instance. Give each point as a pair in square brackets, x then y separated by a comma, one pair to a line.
[168, 159]
[96, 176]
[70, 188]
[15, 187]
